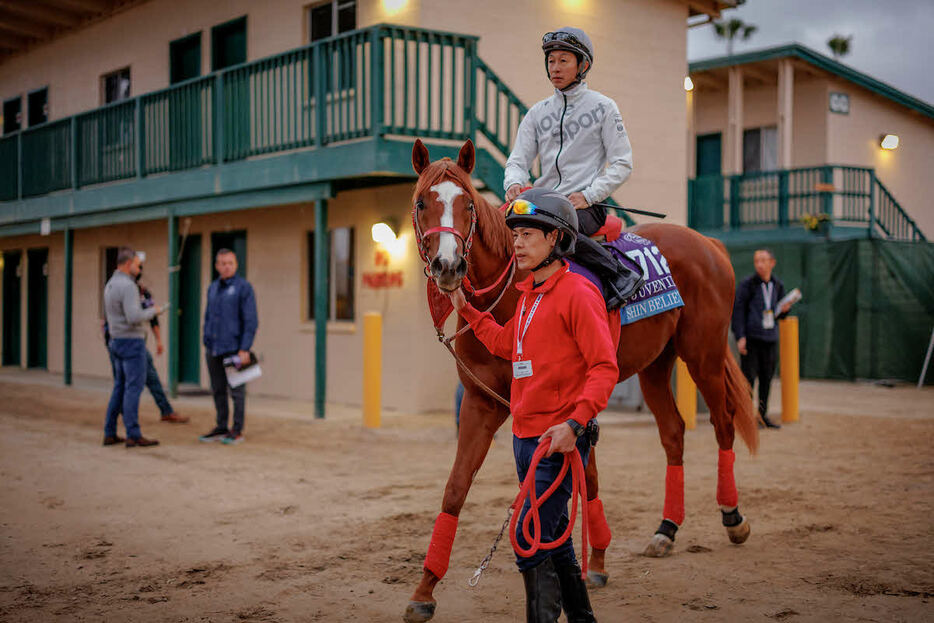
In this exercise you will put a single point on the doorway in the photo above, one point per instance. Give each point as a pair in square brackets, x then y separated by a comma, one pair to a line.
[708, 185]
[189, 311]
[12, 290]
[233, 240]
[37, 308]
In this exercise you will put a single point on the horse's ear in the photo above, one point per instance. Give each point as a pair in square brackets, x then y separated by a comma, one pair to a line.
[467, 157]
[420, 158]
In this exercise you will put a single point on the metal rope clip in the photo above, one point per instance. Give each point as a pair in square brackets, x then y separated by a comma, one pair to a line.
[475, 578]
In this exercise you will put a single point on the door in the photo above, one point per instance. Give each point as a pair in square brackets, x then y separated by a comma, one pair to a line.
[185, 115]
[37, 304]
[233, 240]
[228, 48]
[11, 307]
[189, 312]
[12, 115]
[38, 106]
[707, 196]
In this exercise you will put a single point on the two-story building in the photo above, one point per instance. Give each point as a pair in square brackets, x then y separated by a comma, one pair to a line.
[283, 130]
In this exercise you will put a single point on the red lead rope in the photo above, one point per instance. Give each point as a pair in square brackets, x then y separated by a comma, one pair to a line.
[527, 490]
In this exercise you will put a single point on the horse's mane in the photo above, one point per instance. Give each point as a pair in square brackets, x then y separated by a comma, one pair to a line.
[491, 225]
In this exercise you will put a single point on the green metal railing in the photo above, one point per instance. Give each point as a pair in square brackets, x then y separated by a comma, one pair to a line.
[366, 83]
[46, 158]
[846, 194]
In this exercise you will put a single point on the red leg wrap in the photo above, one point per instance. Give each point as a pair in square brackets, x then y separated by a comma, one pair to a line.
[597, 527]
[674, 494]
[726, 485]
[442, 541]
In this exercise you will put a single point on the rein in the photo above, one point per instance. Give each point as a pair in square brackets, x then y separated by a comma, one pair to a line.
[573, 461]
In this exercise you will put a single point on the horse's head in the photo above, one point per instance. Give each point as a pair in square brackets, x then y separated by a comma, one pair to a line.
[444, 213]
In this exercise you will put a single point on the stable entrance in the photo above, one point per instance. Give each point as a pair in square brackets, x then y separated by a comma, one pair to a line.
[189, 311]
[37, 308]
[12, 271]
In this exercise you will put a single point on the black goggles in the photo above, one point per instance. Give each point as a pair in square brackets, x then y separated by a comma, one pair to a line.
[562, 37]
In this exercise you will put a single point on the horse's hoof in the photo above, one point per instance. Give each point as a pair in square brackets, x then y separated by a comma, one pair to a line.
[659, 547]
[419, 611]
[738, 533]
[596, 579]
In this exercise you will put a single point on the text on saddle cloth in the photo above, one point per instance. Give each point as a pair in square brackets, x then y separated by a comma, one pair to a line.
[658, 294]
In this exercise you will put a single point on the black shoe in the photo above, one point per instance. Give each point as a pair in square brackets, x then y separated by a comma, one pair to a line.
[769, 423]
[542, 593]
[216, 434]
[112, 440]
[574, 595]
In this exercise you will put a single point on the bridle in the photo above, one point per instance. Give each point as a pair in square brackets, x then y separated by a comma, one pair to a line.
[421, 241]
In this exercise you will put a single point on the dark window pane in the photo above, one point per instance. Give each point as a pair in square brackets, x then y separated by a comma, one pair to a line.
[342, 258]
[752, 155]
[117, 86]
[228, 44]
[346, 17]
[321, 17]
[185, 58]
[12, 115]
[38, 106]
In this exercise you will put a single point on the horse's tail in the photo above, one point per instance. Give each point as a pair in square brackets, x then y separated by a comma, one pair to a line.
[739, 403]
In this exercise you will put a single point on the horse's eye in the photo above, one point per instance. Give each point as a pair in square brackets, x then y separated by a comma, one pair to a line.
[420, 205]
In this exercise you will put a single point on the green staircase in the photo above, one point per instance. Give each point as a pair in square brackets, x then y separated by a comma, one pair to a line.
[856, 202]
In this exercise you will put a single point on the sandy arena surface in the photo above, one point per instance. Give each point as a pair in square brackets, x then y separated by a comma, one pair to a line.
[326, 521]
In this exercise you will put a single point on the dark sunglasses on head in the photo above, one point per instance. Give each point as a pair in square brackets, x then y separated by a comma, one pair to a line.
[565, 37]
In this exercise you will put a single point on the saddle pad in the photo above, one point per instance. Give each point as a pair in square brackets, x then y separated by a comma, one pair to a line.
[657, 295]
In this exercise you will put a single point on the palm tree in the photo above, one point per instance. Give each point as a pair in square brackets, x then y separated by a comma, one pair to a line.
[839, 45]
[732, 29]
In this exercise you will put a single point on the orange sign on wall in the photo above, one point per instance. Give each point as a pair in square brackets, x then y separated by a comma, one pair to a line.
[379, 280]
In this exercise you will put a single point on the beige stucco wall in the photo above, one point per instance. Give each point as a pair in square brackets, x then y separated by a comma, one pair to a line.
[853, 139]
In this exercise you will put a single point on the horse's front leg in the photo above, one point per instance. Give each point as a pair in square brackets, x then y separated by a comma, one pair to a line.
[480, 418]
[599, 530]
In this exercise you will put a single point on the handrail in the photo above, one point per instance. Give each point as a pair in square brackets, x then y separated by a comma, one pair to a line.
[781, 197]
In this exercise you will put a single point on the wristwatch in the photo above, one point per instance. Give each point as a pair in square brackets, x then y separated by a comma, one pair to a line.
[576, 427]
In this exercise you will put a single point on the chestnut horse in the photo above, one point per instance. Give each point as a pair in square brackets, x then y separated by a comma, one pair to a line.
[461, 235]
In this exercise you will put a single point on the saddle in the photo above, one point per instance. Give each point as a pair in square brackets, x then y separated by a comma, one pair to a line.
[612, 229]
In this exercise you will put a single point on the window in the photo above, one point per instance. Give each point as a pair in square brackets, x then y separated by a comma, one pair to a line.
[37, 106]
[12, 115]
[185, 58]
[228, 44]
[331, 18]
[327, 20]
[340, 274]
[115, 86]
[760, 149]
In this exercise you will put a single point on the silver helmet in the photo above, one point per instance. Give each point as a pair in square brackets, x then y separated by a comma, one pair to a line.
[572, 40]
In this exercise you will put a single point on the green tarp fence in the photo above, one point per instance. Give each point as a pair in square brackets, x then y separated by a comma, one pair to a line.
[868, 306]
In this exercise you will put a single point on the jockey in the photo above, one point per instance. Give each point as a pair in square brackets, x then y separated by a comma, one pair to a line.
[579, 137]
[564, 369]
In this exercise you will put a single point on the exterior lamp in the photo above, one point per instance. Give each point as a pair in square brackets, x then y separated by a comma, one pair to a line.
[688, 83]
[383, 233]
[391, 6]
[889, 141]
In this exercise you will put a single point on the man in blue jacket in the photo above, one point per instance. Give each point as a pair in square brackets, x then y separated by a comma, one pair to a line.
[229, 327]
[755, 325]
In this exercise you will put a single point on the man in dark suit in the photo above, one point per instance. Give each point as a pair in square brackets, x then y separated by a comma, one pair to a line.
[755, 326]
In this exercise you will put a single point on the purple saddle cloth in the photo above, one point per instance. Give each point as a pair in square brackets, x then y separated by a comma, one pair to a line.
[657, 295]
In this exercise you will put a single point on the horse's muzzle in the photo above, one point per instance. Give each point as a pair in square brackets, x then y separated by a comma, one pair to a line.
[448, 275]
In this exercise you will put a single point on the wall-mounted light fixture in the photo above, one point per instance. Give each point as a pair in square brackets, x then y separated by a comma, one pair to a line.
[387, 235]
[688, 83]
[888, 141]
[391, 6]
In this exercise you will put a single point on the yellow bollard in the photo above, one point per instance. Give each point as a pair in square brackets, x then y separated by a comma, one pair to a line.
[788, 344]
[372, 368]
[685, 395]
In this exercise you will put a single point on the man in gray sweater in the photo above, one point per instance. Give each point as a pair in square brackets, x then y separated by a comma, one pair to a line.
[127, 321]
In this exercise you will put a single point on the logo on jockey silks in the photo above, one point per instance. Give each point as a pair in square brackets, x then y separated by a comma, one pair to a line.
[573, 124]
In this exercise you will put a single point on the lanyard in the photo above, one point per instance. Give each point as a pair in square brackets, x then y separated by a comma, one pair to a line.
[767, 295]
[528, 321]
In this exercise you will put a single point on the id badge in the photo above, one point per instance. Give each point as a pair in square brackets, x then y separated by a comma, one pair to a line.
[521, 369]
[768, 319]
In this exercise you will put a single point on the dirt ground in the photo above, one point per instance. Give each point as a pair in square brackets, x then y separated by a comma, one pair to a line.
[326, 521]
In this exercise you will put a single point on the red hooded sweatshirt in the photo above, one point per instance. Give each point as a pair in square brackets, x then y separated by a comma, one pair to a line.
[570, 347]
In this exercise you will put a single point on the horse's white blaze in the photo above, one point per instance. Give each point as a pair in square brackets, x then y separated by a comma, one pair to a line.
[447, 245]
